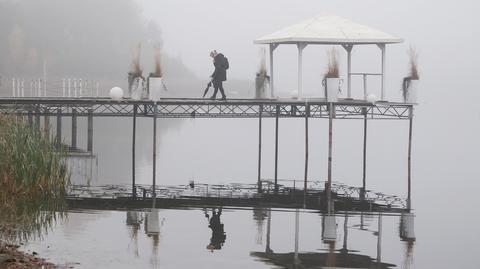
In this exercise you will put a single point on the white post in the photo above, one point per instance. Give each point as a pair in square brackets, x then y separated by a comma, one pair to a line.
[45, 78]
[13, 87]
[39, 93]
[75, 87]
[69, 87]
[300, 47]
[97, 84]
[349, 48]
[23, 88]
[63, 86]
[272, 90]
[382, 47]
[81, 86]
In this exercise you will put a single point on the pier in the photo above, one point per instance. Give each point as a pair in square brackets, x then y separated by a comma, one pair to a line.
[258, 109]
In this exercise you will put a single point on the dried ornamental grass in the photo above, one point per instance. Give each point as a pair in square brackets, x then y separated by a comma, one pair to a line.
[333, 66]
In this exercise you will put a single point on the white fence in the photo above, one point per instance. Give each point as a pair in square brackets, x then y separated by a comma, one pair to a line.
[66, 87]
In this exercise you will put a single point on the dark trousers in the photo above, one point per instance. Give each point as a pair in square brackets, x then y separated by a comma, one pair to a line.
[218, 85]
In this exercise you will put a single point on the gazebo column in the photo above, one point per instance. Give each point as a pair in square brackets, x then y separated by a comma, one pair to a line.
[383, 48]
[300, 47]
[348, 48]
[272, 89]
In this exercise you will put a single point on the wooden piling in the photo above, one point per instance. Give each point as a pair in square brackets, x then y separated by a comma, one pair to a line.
[90, 131]
[134, 134]
[277, 112]
[259, 180]
[409, 197]
[74, 129]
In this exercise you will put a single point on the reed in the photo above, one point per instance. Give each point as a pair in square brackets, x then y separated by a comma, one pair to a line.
[33, 180]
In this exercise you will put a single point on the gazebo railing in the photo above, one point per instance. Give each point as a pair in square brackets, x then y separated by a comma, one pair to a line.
[365, 75]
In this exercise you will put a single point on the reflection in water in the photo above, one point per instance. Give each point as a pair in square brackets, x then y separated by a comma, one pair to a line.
[218, 234]
[83, 168]
[152, 230]
[133, 222]
[259, 215]
[331, 257]
[407, 235]
[292, 239]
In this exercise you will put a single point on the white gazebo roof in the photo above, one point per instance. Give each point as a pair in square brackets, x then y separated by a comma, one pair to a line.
[328, 29]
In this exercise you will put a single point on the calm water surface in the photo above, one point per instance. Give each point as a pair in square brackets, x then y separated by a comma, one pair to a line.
[245, 238]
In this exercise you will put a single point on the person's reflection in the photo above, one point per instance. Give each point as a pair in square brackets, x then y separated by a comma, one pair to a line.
[218, 234]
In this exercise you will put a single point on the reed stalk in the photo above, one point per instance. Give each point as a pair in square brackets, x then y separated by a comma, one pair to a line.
[33, 180]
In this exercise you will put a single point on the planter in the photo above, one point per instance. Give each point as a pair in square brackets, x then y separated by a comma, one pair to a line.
[412, 91]
[152, 222]
[156, 86]
[407, 231]
[332, 87]
[330, 229]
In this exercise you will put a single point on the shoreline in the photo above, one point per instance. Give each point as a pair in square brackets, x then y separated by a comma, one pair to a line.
[13, 258]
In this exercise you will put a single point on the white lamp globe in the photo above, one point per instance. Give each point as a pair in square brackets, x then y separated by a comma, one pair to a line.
[116, 93]
[372, 98]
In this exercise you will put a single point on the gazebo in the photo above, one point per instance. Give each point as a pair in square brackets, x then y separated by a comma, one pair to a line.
[328, 30]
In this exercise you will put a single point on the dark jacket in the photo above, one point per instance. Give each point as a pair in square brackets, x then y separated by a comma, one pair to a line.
[220, 73]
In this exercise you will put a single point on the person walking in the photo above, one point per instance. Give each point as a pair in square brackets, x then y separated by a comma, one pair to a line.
[219, 75]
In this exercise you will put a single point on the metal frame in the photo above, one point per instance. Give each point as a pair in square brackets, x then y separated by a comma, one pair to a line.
[200, 108]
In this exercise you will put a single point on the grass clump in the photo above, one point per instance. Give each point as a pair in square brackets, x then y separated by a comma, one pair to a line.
[33, 180]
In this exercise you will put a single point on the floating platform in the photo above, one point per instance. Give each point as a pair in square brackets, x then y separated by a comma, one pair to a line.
[345, 198]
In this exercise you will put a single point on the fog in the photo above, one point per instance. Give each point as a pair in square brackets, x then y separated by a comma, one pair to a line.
[95, 38]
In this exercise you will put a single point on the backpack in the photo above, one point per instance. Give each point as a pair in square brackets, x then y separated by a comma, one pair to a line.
[226, 65]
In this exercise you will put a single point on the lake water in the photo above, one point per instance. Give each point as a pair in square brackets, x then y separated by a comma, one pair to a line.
[225, 151]
[253, 238]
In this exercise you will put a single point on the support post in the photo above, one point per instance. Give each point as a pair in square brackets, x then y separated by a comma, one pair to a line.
[365, 93]
[37, 120]
[383, 48]
[330, 138]
[154, 194]
[409, 197]
[272, 89]
[259, 180]
[297, 220]
[74, 129]
[134, 134]
[277, 112]
[90, 131]
[300, 47]
[379, 238]
[268, 250]
[364, 178]
[46, 124]
[349, 48]
[305, 191]
[58, 137]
